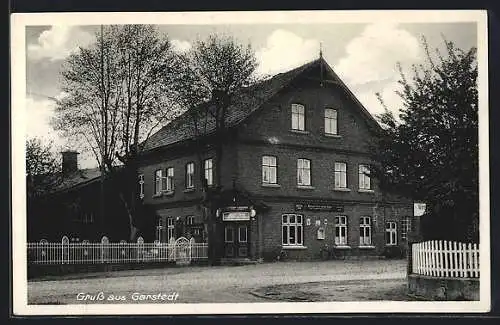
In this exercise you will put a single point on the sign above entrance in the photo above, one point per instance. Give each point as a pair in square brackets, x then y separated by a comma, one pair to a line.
[318, 207]
[236, 216]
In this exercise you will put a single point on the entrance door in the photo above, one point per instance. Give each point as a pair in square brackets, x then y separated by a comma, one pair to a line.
[236, 241]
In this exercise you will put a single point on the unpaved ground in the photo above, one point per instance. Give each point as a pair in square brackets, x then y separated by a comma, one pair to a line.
[225, 284]
[387, 290]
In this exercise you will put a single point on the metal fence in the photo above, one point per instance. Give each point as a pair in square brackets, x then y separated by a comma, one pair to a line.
[441, 258]
[181, 250]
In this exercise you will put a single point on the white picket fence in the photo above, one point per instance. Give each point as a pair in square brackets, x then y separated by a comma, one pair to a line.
[181, 250]
[442, 258]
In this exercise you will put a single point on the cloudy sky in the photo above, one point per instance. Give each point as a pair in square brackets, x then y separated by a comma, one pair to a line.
[364, 55]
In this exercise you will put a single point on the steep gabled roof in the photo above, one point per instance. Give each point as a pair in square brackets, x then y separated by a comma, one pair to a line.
[251, 99]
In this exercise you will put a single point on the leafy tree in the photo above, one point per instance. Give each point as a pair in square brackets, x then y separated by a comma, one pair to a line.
[430, 153]
[116, 97]
[210, 78]
[43, 168]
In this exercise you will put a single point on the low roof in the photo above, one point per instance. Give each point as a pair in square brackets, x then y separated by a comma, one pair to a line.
[77, 178]
[182, 128]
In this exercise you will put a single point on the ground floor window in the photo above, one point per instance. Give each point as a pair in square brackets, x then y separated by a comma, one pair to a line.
[159, 229]
[292, 230]
[405, 228]
[170, 229]
[390, 233]
[365, 231]
[341, 231]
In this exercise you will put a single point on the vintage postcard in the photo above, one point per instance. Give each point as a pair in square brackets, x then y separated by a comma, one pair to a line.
[250, 162]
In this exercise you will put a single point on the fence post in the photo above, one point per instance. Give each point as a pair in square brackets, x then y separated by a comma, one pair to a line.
[140, 243]
[409, 259]
[64, 242]
[104, 241]
[191, 244]
[476, 260]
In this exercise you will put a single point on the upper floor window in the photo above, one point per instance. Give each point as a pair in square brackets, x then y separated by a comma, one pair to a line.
[170, 179]
[331, 121]
[208, 168]
[158, 181]
[390, 233]
[190, 175]
[298, 117]
[303, 172]
[340, 175]
[365, 231]
[341, 231]
[190, 220]
[292, 232]
[269, 170]
[364, 177]
[141, 186]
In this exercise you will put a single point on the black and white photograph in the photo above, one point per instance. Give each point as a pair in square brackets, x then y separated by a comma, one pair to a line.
[250, 162]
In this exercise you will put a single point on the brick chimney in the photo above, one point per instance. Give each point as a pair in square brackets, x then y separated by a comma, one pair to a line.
[69, 162]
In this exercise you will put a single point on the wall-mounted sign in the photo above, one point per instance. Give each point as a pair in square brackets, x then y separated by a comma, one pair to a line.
[236, 216]
[318, 207]
[418, 209]
[321, 233]
[237, 208]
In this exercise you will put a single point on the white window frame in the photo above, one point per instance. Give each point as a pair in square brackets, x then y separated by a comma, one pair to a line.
[159, 229]
[141, 186]
[239, 234]
[364, 180]
[340, 175]
[170, 229]
[169, 179]
[158, 175]
[391, 233]
[208, 166]
[304, 172]
[269, 170]
[190, 220]
[365, 231]
[298, 117]
[190, 175]
[298, 229]
[405, 227]
[331, 121]
[341, 238]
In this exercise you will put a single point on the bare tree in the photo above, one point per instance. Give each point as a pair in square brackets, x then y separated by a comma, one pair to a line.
[210, 78]
[115, 97]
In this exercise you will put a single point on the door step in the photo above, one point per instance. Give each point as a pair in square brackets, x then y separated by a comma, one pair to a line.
[237, 261]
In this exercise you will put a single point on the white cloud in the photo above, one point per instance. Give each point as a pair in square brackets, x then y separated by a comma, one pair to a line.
[285, 50]
[37, 119]
[373, 55]
[38, 115]
[388, 92]
[58, 42]
[180, 46]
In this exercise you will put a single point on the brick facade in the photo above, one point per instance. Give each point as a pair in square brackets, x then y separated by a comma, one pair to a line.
[267, 131]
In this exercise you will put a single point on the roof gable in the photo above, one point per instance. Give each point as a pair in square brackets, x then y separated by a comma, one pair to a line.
[249, 101]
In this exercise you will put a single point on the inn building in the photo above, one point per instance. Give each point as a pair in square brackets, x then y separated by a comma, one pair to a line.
[295, 175]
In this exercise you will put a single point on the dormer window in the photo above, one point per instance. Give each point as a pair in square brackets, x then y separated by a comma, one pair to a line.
[331, 121]
[298, 117]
